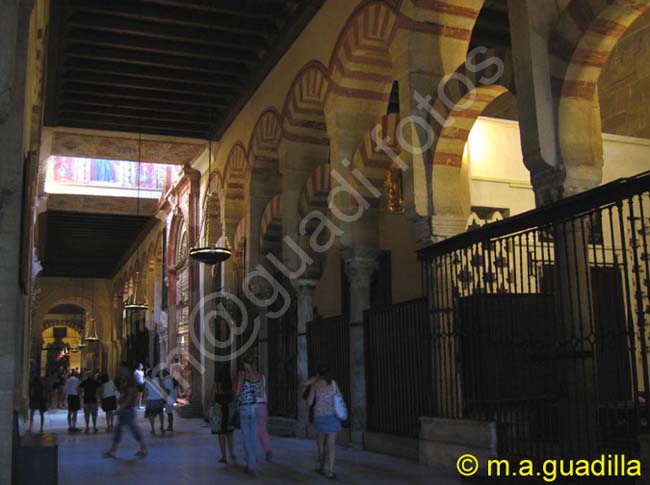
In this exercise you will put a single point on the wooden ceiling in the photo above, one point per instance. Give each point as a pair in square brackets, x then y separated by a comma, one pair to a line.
[168, 67]
[87, 245]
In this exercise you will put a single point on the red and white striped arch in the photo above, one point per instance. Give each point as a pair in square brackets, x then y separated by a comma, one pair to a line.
[370, 159]
[466, 95]
[586, 35]
[316, 191]
[263, 145]
[239, 240]
[271, 226]
[360, 66]
[303, 117]
[235, 175]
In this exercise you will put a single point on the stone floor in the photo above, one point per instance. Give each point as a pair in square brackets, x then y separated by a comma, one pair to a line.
[189, 456]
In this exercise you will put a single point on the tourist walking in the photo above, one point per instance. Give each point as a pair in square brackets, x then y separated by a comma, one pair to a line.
[169, 385]
[109, 395]
[262, 418]
[71, 392]
[326, 423]
[89, 389]
[37, 400]
[249, 388]
[154, 401]
[221, 415]
[138, 374]
[126, 414]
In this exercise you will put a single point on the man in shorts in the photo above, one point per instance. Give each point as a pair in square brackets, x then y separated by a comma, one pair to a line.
[71, 390]
[89, 388]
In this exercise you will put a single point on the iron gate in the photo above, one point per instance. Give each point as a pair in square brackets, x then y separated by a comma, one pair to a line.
[398, 370]
[283, 349]
[539, 323]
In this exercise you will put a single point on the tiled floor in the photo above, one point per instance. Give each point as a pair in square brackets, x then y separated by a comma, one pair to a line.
[189, 456]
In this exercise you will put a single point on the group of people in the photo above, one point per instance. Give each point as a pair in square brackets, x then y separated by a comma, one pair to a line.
[243, 405]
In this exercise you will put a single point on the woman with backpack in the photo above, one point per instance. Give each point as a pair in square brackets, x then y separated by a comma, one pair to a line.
[323, 395]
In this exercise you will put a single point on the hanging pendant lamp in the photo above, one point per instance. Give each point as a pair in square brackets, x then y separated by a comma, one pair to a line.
[135, 304]
[219, 251]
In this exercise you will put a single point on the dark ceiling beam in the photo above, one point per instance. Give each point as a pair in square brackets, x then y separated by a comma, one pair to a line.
[196, 100]
[119, 119]
[159, 46]
[148, 84]
[141, 123]
[168, 60]
[262, 9]
[71, 107]
[108, 102]
[175, 15]
[190, 35]
[300, 19]
[179, 131]
[150, 72]
[136, 116]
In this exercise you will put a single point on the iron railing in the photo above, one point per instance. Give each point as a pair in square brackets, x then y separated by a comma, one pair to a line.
[328, 343]
[539, 323]
[398, 367]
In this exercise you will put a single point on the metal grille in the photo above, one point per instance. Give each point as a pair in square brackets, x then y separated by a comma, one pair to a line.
[398, 368]
[539, 323]
[328, 341]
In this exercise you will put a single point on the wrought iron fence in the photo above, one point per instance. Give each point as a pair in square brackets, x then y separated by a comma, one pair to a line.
[328, 343]
[539, 323]
[398, 367]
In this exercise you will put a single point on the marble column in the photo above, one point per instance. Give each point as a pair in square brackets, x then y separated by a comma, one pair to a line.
[359, 270]
[305, 293]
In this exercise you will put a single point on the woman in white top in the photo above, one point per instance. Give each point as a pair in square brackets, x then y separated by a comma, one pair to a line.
[109, 395]
[155, 399]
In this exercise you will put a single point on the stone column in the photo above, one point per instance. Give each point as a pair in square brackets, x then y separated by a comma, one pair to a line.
[359, 270]
[530, 25]
[14, 29]
[305, 293]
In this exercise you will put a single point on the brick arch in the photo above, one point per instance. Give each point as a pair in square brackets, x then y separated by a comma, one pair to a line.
[316, 191]
[263, 145]
[370, 159]
[235, 177]
[580, 46]
[86, 304]
[77, 326]
[303, 115]
[271, 225]
[238, 240]
[467, 93]
[360, 66]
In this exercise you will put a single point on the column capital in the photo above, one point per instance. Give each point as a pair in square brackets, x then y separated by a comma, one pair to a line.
[359, 270]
